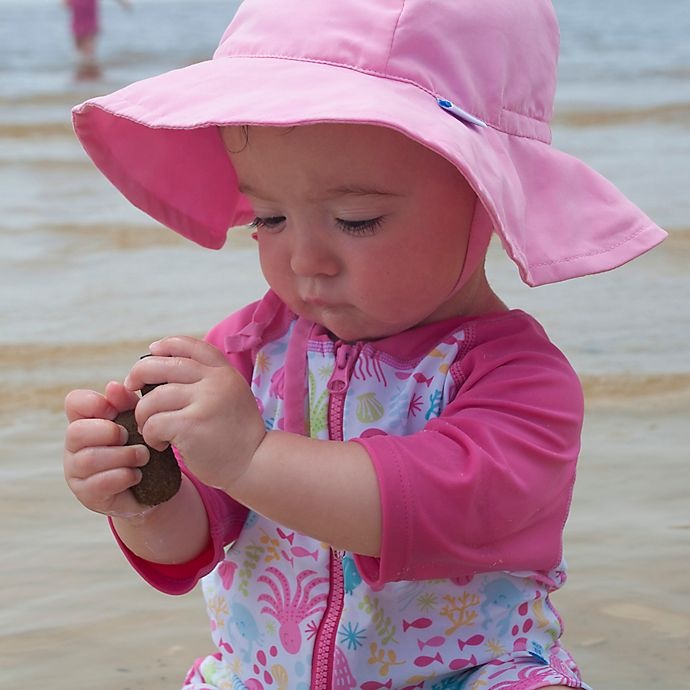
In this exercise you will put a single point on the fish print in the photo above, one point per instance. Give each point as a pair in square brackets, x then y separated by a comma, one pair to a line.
[301, 552]
[284, 535]
[458, 664]
[436, 641]
[419, 623]
[470, 642]
[428, 660]
[375, 685]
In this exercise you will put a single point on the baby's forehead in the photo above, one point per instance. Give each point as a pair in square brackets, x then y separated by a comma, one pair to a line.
[360, 158]
[329, 145]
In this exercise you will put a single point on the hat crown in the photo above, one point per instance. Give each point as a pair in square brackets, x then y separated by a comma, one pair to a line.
[496, 59]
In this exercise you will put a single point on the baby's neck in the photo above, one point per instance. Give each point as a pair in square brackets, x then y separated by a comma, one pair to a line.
[475, 298]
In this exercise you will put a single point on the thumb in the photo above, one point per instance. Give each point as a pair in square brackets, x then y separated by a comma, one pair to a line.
[119, 397]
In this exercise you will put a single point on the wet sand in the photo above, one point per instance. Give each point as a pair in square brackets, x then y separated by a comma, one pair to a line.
[73, 616]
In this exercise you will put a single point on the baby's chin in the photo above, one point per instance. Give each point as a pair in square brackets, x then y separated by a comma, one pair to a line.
[353, 330]
[348, 323]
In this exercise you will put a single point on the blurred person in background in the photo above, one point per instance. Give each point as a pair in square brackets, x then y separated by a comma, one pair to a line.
[85, 27]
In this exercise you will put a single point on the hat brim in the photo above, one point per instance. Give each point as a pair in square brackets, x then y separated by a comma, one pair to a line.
[157, 141]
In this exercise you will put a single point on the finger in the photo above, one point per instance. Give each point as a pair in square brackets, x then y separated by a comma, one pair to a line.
[119, 397]
[192, 348]
[91, 461]
[171, 397]
[160, 430]
[83, 433]
[99, 490]
[86, 404]
[158, 370]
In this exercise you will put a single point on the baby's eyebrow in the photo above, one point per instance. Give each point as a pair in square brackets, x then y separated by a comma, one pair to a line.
[358, 190]
[330, 193]
[247, 189]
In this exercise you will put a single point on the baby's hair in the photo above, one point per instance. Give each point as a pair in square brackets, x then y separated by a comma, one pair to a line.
[245, 131]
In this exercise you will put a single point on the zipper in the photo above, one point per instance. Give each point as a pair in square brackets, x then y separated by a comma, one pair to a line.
[324, 645]
[345, 358]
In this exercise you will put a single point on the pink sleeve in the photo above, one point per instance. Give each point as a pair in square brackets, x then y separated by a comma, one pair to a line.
[487, 485]
[226, 516]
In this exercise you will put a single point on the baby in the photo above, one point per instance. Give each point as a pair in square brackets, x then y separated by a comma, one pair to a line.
[378, 456]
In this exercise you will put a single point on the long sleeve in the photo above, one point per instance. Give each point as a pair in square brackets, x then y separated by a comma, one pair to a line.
[225, 515]
[487, 485]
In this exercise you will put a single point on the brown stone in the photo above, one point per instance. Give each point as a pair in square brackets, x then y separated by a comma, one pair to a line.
[161, 476]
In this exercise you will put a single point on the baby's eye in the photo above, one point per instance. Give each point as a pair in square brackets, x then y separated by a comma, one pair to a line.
[267, 222]
[360, 227]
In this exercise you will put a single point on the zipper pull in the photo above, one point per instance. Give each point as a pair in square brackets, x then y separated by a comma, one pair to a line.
[344, 364]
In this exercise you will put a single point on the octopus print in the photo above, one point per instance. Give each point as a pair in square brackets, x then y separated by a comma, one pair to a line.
[288, 609]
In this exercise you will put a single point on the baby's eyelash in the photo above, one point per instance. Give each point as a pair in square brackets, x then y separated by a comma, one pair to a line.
[268, 222]
[360, 227]
[353, 227]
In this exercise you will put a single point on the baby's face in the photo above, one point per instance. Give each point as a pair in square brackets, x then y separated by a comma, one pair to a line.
[359, 228]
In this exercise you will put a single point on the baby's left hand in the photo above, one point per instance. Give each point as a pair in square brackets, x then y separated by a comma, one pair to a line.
[205, 409]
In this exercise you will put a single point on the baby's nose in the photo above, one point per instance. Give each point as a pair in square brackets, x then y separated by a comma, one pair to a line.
[313, 255]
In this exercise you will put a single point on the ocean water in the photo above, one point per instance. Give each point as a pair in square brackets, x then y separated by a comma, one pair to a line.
[66, 237]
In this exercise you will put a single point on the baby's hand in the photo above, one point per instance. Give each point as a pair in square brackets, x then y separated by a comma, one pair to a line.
[98, 467]
[205, 409]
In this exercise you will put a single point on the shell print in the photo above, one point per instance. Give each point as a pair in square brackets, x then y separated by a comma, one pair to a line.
[369, 409]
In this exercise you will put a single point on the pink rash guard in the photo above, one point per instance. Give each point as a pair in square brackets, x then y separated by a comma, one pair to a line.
[473, 426]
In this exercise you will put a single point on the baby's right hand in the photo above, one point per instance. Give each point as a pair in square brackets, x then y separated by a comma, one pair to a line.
[98, 467]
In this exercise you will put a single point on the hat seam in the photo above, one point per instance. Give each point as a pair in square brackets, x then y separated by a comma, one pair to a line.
[505, 127]
[638, 230]
[354, 68]
[395, 30]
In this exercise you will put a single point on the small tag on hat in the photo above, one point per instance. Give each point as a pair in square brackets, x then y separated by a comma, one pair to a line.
[460, 113]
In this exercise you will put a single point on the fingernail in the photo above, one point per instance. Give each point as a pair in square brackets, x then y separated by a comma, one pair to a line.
[142, 455]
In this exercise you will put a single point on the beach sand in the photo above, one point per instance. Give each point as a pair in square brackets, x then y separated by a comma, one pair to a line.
[74, 616]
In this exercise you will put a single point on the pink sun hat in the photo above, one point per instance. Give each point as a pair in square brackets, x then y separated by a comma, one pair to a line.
[472, 81]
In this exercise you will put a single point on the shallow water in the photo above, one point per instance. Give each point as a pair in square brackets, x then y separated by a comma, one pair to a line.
[86, 282]
[67, 239]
